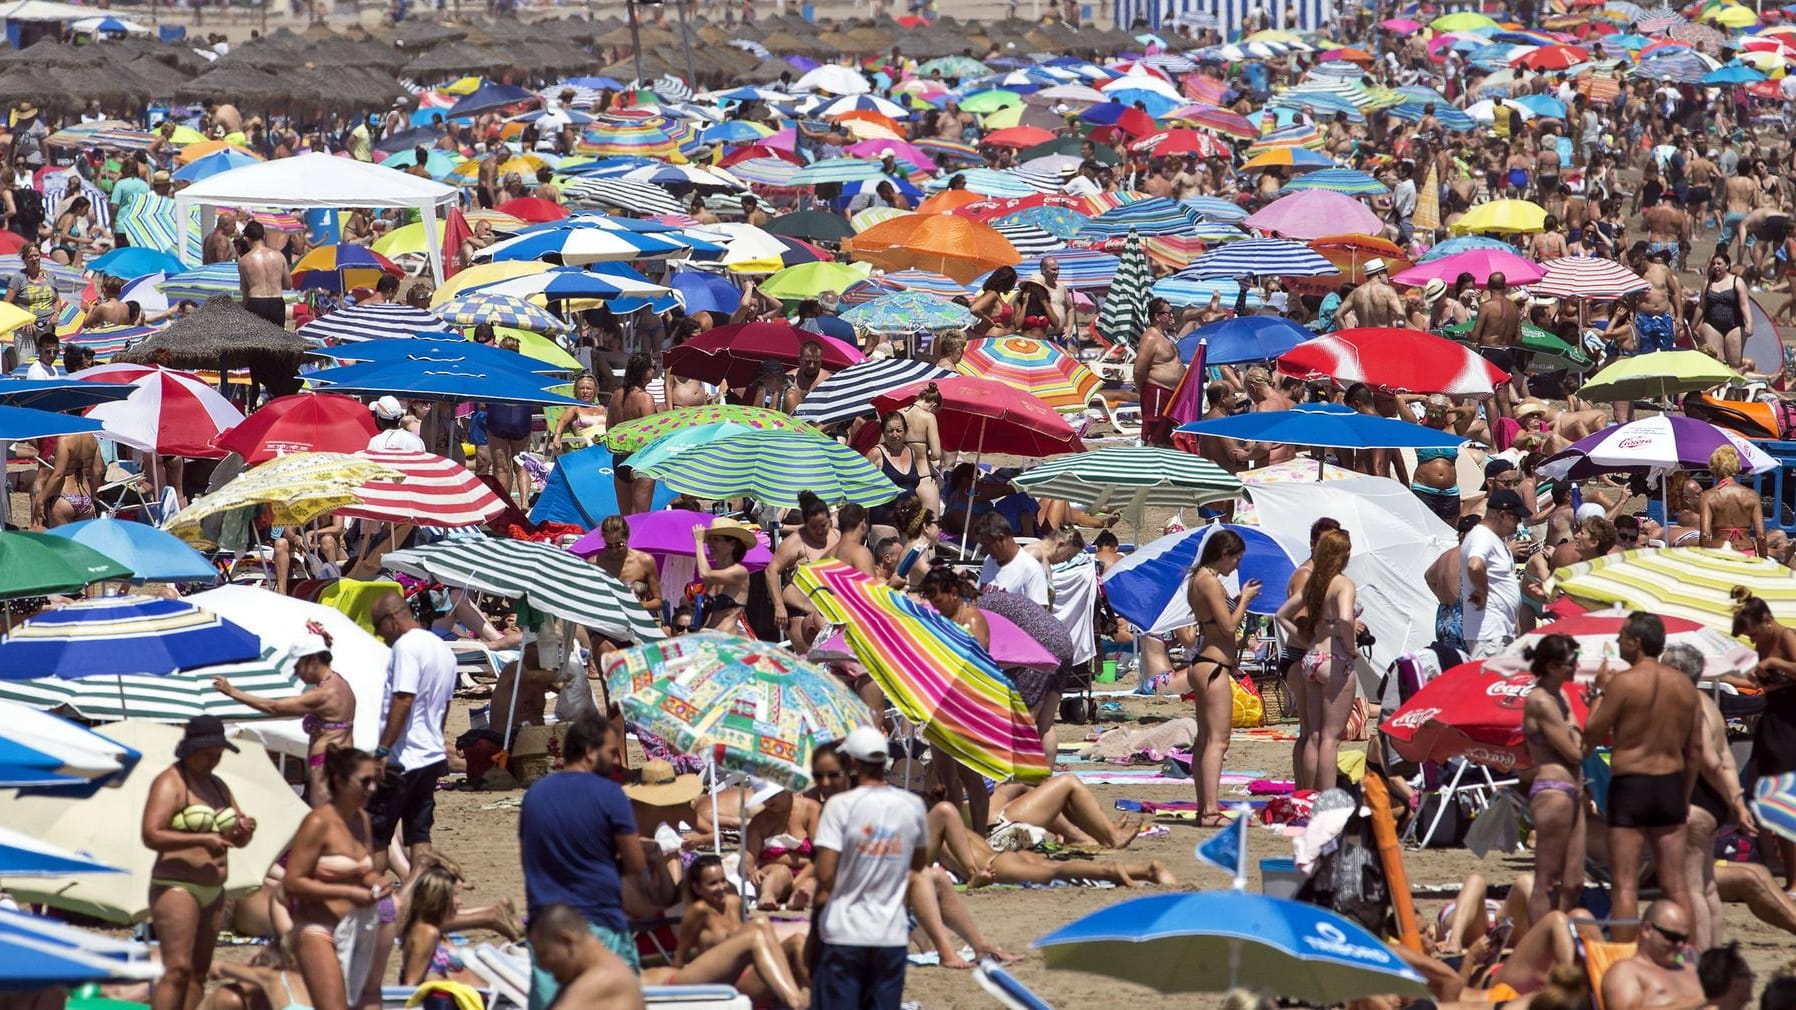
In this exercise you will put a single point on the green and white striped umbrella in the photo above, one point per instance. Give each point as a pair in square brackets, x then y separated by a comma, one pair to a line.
[1130, 477]
[174, 697]
[773, 466]
[546, 577]
[1123, 315]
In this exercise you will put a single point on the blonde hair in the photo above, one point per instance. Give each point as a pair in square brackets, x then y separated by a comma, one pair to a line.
[1724, 462]
[951, 344]
[433, 899]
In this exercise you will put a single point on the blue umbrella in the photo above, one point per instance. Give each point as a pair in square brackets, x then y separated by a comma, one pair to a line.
[1259, 257]
[59, 394]
[18, 424]
[153, 555]
[24, 856]
[1732, 73]
[734, 131]
[704, 292]
[42, 754]
[1213, 941]
[488, 96]
[580, 490]
[443, 347]
[1774, 804]
[1148, 586]
[1184, 291]
[132, 262]
[39, 954]
[1350, 181]
[1214, 208]
[120, 635]
[1465, 243]
[1155, 215]
[1541, 105]
[1244, 338]
[445, 380]
[1329, 425]
[218, 162]
[203, 283]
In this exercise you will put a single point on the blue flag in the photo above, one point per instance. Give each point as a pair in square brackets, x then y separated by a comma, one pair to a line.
[1227, 849]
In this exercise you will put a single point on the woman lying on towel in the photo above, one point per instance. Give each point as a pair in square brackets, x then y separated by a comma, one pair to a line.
[974, 861]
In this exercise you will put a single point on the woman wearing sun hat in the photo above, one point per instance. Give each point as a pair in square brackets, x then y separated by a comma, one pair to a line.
[723, 580]
[326, 708]
[191, 822]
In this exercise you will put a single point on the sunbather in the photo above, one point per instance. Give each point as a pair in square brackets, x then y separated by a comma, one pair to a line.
[718, 947]
[975, 862]
[1065, 807]
[776, 851]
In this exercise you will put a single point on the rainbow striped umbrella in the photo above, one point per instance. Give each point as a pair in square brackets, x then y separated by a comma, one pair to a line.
[644, 139]
[1306, 135]
[932, 671]
[1774, 804]
[1033, 366]
[765, 707]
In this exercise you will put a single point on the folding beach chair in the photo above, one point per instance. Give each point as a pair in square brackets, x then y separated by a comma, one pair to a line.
[506, 972]
[1599, 954]
[694, 997]
[1003, 987]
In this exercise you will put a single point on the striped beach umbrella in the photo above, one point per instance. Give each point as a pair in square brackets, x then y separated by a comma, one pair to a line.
[174, 698]
[542, 575]
[203, 283]
[1123, 314]
[849, 393]
[774, 466]
[837, 170]
[297, 488]
[122, 635]
[383, 321]
[933, 672]
[1260, 257]
[929, 282]
[500, 310]
[170, 412]
[1774, 804]
[1130, 477]
[633, 435]
[1183, 292]
[762, 708]
[106, 341]
[1214, 208]
[1347, 181]
[46, 753]
[1033, 366]
[643, 139]
[1061, 222]
[149, 223]
[1587, 277]
[908, 312]
[430, 491]
[1028, 240]
[1694, 583]
[1153, 216]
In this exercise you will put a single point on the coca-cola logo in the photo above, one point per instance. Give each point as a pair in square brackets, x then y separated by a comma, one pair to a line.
[1509, 693]
[1493, 758]
[1415, 718]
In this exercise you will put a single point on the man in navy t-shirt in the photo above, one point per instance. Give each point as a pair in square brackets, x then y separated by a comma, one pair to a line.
[577, 837]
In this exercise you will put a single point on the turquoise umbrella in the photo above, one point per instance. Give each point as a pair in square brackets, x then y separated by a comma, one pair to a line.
[908, 312]
[773, 466]
[1347, 181]
[676, 442]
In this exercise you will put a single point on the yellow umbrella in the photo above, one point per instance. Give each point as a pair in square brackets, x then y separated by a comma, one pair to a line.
[1002, 119]
[1463, 21]
[1768, 63]
[486, 273]
[1503, 216]
[199, 149]
[1730, 16]
[183, 135]
[298, 488]
[541, 348]
[463, 86]
[407, 238]
[12, 317]
[525, 165]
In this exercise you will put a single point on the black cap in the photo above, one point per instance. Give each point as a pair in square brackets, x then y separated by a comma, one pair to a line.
[1505, 500]
[203, 732]
[1497, 466]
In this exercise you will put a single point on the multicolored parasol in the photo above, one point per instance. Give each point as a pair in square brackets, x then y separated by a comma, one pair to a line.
[1033, 366]
[633, 435]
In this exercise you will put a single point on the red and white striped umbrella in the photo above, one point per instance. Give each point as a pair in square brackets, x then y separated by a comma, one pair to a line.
[1406, 361]
[171, 412]
[1587, 277]
[435, 492]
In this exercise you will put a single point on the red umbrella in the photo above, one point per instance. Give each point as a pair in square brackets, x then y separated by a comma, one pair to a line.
[533, 209]
[1177, 143]
[304, 422]
[1016, 136]
[995, 207]
[983, 415]
[734, 353]
[435, 492]
[171, 412]
[1398, 360]
[1470, 713]
[1552, 58]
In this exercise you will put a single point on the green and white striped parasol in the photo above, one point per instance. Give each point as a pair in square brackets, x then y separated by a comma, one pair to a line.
[174, 697]
[773, 466]
[1130, 477]
[546, 577]
[1123, 315]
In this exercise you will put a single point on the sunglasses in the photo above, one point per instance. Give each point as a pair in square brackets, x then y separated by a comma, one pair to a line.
[1670, 935]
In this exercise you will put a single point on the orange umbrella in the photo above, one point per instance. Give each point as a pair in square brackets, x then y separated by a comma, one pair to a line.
[870, 116]
[199, 149]
[944, 243]
[947, 200]
[1368, 245]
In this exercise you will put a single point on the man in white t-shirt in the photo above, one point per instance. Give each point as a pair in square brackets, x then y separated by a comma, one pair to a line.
[869, 840]
[389, 417]
[1008, 566]
[1488, 589]
[420, 682]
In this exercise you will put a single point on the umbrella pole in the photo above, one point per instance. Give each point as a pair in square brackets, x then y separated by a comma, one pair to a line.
[966, 533]
[1234, 961]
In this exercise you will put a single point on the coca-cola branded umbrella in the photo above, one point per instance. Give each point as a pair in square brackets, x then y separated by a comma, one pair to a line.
[1473, 713]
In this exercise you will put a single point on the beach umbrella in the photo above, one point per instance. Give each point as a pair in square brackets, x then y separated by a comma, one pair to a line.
[1557, 57]
[429, 490]
[132, 262]
[1464, 21]
[808, 280]
[169, 412]
[446, 348]
[774, 467]
[944, 243]
[734, 353]
[1587, 277]
[1287, 156]
[44, 755]
[1596, 634]
[487, 97]
[1131, 478]
[1480, 263]
[382, 321]
[1327, 425]
[932, 671]
[1260, 257]
[581, 491]
[1345, 181]
[68, 281]
[641, 432]
[1153, 216]
[296, 488]
[58, 394]
[533, 209]
[850, 393]
[1036, 367]
[1774, 804]
[1652, 447]
[577, 245]
[907, 312]
[1399, 360]
[152, 554]
[1659, 375]
[122, 635]
[983, 415]
[24, 856]
[1312, 214]
[1122, 316]
[667, 533]
[703, 292]
[1148, 586]
[1461, 243]
[544, 576]
[173, 697]
[42, 954]
[202, 284]
[624, 194]
[760, 709]
[839, 80]
[1550, 352]
[37, 564]
[1214, 941]
[1694, 583]
[304, 422]
[341, 268]
[1472, 712]
[218, 162]
[816, 225]
[930, 282]
[18, 424]
[1242, 339]
[476, 307]
[255, 782]
[1503, 217]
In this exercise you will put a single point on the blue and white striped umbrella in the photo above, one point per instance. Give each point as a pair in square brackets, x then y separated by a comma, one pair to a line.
[579, 245]
[1183, 292]
[850, 392]
[1682, 67]
[1080, 269]
[864, 103]
[837, 170]
[38, 953]
[202, 283]
[634, 197]
[385, 321]
[122, 635]
[1028, 239]
[1465, 243]
[1335, 70]
[1451, 118]
[47, 754]
[1155, 215]
[1774, 804]
[1346, 181]
[991, 182]
[932, 283]
[24, 856]
[774, 172]
[1259, 257]
[1212, 208]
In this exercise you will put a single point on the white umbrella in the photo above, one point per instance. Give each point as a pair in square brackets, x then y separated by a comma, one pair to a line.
[835, 79]
[110, 835]
[82, 752]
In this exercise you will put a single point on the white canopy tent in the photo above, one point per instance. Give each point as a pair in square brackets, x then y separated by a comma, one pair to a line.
[312, 181]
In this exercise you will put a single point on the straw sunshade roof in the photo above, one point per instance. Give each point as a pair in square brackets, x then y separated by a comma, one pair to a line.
[221, 329]
[454, 58]
[159, 78]
[423, 35]
[241, 82]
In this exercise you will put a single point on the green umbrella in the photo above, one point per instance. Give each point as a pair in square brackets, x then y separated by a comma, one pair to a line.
[816, 225]
[1072, 147]
[954, 66]
[633, 435]
[1552, 353]
[991, 101]
[37, 564]
[773, 467]
[1659, 375]
[808, 280]
[1130, 477]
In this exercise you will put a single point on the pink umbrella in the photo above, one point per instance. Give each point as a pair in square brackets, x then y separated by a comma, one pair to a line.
[902, 150]
[668, 533]
[1480, 263]
[172, 413]
[1313, 213]
[1011, 646]
[1402, 26]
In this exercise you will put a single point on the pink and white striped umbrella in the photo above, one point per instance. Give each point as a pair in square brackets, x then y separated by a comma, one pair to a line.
[173, 413]
[1400, 360]
[435, 492]
[1588, 277]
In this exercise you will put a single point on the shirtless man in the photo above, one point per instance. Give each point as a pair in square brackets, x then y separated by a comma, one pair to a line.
[1546, 171]
[1648, 714]
[1565, 425]
[1667, 231]
[1267, 396]
[262, 275]
[1186, 183]
[487, 187]
[221, 242]
[1231, 454]
[1495, 333]
[590, 976]
[1766, 229]
[807, 376]
[1656, 977]
[1159, 182]
[851, 523]
[1739, 195]
[1157, 373]
[110, 310]
[1374, 303]
[1702, 174]
[633, 568]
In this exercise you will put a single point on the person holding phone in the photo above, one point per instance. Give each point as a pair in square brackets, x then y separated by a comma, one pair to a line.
[1219, 656]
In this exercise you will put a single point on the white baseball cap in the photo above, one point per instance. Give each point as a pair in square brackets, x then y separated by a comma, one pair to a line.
[387, 408]
[864, 743]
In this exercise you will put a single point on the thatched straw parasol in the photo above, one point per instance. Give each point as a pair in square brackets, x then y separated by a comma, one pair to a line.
[222, 333]
[422, 36]
[244, 84]
[452, 58]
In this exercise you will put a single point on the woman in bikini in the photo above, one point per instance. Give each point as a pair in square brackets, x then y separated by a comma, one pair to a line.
[330, 877]
[813, 540]
[923, 439]
[776, 852]
[974, 861]
[1555, 800]
[895, 456]
[630, 402]
[583, 424]
[1209, 676]
[993, 304]
[280, 988]
[67, 494]
[718, 551]
[191, 822]
[326, 707]
[1038, 318]
[429, 913]
[1325, 614]
[1730, 513]
[718, 947]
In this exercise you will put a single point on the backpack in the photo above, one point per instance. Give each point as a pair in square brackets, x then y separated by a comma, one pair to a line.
[28, 213]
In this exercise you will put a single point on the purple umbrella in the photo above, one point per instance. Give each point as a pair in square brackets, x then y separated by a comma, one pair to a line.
[1480, 263]
[1651, 446]
[1011, 646]
[668, 533]
[1314, 213]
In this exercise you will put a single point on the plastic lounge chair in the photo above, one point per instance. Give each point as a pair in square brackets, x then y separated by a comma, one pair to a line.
[656, 939]
[506, 973]
[695, 997]
[1123, 416]
[1004, 988]
[1599, 953]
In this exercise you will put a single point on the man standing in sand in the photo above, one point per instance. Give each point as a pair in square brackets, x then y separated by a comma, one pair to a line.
[633, 568]
[263, 275]
[1648, 715]
[1740, 193]
[1495, 333]
[1374, 303]
[1667, 230]
[1157, 373]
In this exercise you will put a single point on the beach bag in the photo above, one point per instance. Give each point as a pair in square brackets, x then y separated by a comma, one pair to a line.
[1249, 708]
[1350, 881]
